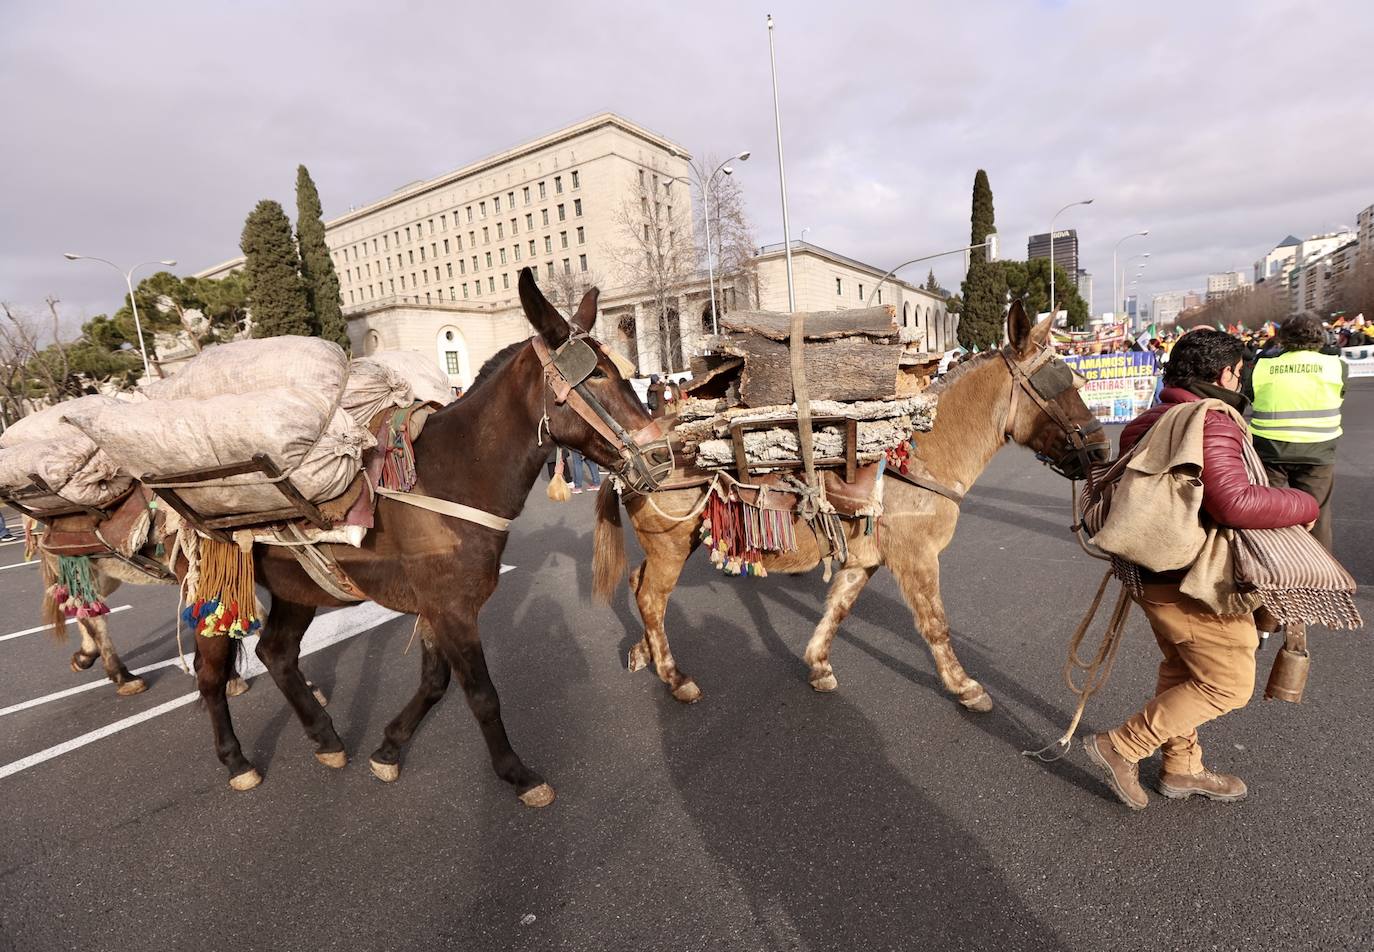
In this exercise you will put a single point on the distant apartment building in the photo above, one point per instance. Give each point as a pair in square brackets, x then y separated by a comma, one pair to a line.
[1276, 264]
[1065, 249]
[1192, 299]
[1310, 287]
[1364, 228]
[1166, 306]
[1226, 283]
[1085, 285]
[826, 281]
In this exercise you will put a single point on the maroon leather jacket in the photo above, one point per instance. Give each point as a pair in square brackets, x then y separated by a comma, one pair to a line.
[1227, 494]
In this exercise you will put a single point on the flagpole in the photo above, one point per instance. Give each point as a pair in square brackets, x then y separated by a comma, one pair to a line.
[782, 175]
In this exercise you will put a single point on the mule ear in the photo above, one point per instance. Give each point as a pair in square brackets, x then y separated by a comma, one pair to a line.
[543, 315]
[1019, 327]
[1040, 333]
[586, 311]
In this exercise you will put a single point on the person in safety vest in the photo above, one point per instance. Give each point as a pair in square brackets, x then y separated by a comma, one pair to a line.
[1209, 660]
[1297, 417]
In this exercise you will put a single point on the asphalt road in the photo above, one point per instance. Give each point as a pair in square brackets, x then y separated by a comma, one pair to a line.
[883, 816]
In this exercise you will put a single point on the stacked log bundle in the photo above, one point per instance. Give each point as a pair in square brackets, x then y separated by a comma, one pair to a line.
[857, 368]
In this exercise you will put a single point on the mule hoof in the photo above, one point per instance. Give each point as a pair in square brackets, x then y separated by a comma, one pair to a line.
[687, 692]
[825, 683]
[334, 759]
[319, 695]
[81, 662]
[386, 773]
[638, 660]
[976, 699]
[540, 796]
[247, 780]
[132, 687]
[235, 687]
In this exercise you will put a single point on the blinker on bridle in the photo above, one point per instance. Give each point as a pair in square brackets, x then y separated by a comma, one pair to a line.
[646, 456]
[1043, 379]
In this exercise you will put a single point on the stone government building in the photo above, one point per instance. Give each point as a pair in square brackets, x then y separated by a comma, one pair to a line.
[433, 266]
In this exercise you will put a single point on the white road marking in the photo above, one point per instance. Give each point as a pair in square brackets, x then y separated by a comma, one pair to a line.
[323, 632]
[506, 568]
[11, 542]
[18, 565]
[71, 621]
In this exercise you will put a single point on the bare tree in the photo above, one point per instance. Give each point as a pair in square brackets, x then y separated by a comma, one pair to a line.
[1354, 291]
[32, 370]
[657, 259]
[567, 288]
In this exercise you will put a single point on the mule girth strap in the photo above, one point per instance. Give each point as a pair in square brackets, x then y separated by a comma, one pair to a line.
[446, 507]
[920, 482]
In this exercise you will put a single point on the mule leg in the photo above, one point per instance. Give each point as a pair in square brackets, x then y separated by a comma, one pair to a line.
[99, 630]
[848, 583]
[458, 639]
[652, 583]
[919, 580]
[214, 667]
[434, 678]
[86, 655]
[279, 649]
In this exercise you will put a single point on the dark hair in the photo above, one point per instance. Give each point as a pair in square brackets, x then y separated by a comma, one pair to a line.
[1302, 332]
[1200, 356]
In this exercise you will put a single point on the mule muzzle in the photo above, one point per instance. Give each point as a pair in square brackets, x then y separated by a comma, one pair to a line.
[1084, 445]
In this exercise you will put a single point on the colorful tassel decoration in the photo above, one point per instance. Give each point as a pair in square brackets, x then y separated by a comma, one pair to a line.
[738, 534]
[398, 452]
[224, 602]
[74, 589]
[558, 486]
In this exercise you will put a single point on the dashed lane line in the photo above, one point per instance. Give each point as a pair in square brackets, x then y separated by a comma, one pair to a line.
[34, 631]
[18, 565]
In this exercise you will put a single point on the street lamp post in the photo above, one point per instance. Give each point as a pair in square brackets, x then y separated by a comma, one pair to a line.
[990, 243]
[1118, 293]
[706, 207]
[1086, 201]
[133, 302]
[1126, 265]
[782, 179]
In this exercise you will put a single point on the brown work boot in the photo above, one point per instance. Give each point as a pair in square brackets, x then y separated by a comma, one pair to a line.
[1204, 783]
[1122, 775]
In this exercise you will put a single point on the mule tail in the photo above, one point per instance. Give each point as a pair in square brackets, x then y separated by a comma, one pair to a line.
[52, 613]
[608, 560]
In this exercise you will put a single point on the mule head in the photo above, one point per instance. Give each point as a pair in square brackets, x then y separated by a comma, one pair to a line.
[1047, 412]
[590, 404]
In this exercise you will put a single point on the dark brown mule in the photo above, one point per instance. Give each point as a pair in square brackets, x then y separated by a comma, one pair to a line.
[484, 451]
[1022, 394]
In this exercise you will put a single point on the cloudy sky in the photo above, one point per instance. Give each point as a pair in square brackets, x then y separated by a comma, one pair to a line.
[140, 130]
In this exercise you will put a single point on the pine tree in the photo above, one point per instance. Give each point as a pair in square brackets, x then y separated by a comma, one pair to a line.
[985, 287]
[276, 293]
[317, 267]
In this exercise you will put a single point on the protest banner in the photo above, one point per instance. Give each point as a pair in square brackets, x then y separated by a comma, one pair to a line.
[1119, 386]
[1360, 359]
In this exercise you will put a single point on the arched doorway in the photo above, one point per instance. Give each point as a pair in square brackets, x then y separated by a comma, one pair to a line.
[453, 356]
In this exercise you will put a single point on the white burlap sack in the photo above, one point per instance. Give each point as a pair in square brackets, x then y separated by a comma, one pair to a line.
[372, 388]
[427, 382]
[169, 436]
[43, 444]
[250, 366]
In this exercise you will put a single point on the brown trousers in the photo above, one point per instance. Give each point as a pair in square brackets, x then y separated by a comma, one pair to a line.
[1208, 670]
[1314, 480]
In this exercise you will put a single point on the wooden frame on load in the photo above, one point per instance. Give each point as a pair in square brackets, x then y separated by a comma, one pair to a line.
[167, 487]
[40, 487]
[849, 460]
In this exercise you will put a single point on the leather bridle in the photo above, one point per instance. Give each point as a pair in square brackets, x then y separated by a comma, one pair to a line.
[646, 458]
[1043, 378]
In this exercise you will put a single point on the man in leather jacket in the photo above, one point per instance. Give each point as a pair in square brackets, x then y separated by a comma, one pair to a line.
[1209, 659]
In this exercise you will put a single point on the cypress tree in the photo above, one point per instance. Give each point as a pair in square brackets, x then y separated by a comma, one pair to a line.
[317, 267]
[984, 287]
[276, 293]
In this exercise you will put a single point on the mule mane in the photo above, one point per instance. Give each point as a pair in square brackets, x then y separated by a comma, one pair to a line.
[494, 363]
[952, 377]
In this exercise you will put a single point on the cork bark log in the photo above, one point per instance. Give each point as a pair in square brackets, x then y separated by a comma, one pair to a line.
[849, 368]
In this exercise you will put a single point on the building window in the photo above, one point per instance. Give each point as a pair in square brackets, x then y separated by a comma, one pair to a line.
[576, 182]
[582, 263]
[462, 266]
[391, 283]
[459, 242]
[526, 193]
[477, 286]
[411, 252]
[548, 268]
[532, 252]
[407, 233]
[445, 246]
[465, 289]
[558, 184]
[472, 239]
[428, 298]
[529, 221]
[581, 235]
[386, 243]
[488, 259]
[505, 281]
[431, 226]
[544, 213]
[350, 297]
[403, 282]
[469, 214]
[517, 252]
[861, 292]
[436, 272]
[452, 293]
[434, 249]
[500, 230]
[486, 235]
[548, 243]
[491, 283]
[567, 266]
[577, 207]
[514, 227]
[562, 213]
[422, 252]
[481, 209]
[475, 265]
[510, 199]
[880, 296]
[503, 255]
[641, 178]
[839, 286]
[496, 204]
[563, 239]
[443, 222]
[543, 192]
[450, 269]
[451, 362]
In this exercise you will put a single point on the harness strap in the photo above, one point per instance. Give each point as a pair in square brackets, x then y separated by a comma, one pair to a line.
[950, 493]
[446, 508]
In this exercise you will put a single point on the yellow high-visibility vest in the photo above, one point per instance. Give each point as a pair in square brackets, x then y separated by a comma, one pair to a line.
[1298, 397]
